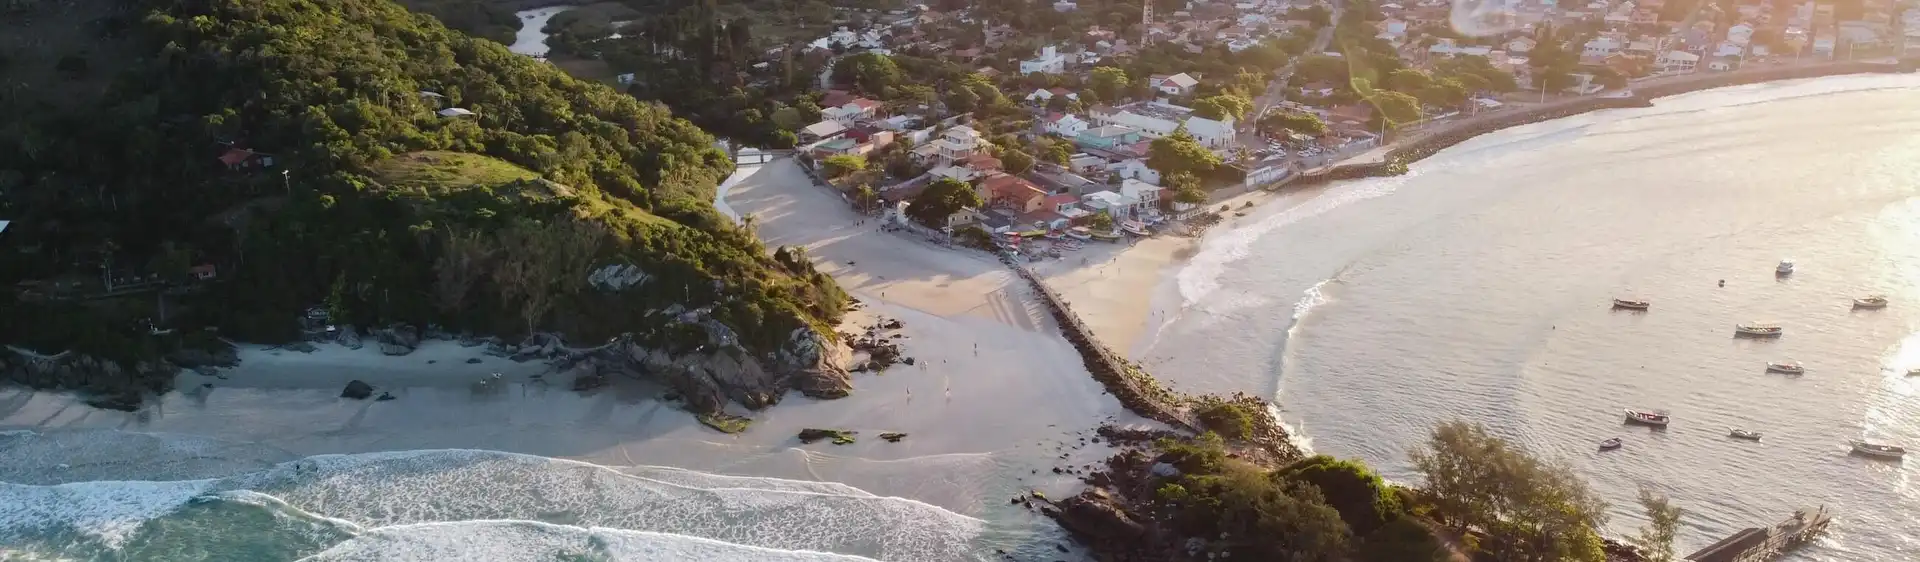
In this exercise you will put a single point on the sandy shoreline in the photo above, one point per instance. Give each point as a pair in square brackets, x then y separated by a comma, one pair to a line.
[995, 399]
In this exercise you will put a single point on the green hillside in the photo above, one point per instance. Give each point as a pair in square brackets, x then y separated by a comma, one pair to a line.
[359, 196]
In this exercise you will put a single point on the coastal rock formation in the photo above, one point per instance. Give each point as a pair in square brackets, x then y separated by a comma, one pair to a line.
[1098, 519]
[190, 358]
[357, 390]
[398, 339]
[107, 383]
[712, 375]
[839, 436]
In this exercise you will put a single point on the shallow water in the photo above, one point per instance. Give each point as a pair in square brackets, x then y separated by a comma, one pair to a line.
[1478, 287]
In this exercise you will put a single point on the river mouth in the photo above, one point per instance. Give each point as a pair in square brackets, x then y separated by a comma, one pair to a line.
[531, 40]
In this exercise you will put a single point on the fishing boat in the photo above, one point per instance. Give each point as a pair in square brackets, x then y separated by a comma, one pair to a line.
[1870, 302]
[1610, 444]
[1786, 368]
[1785, 268]
[1655, 419]
[1758, 330]
[1913, 372]
[1879, 450]
[1631, 304]
[1738, 433]
[1079, 233]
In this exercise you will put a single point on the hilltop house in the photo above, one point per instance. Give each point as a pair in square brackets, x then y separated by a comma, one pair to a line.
[1176, 85]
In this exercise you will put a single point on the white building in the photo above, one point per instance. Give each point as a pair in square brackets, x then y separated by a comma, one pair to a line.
[1678, 62]
[1134, 168]
[1066, 125]
[1147, 194]
[957, 143]
[1177, 85]
[1600, 47]
[1050, 61]
[1156, 119]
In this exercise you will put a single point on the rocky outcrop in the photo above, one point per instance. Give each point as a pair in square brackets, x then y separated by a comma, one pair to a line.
[715, 374]
[191, 358]
[1096, 518]
[398, 339]
[106, 383]
[357, 390]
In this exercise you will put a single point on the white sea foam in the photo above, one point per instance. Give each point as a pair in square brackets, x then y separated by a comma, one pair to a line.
[410, 487]
[108, 511]
[697, 479]
[1201, 277]
[513, 541]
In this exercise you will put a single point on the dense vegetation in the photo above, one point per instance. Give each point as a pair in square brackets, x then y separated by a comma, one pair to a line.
[373, 205]
[1484, 497]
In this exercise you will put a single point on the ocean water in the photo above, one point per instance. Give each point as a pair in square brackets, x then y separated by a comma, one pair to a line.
[1478, 286]
[67, 495]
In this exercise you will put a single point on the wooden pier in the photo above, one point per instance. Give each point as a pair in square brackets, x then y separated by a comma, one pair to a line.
[1762, 544]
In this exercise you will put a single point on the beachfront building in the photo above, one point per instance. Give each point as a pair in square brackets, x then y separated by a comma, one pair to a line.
[957, 143]
[1003, 191]
[1111, 204]
[1678, 62]
[1157, 119]
[1136, 169]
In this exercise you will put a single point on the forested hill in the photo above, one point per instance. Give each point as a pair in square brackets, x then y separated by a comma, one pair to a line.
[257, 158]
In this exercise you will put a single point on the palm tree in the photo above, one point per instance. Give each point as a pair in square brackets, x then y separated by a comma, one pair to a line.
[747, 221]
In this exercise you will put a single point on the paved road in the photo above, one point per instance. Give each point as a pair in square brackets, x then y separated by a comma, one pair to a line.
[1276, 90]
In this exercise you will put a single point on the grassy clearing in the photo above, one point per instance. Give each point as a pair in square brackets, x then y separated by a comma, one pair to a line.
[436, 172]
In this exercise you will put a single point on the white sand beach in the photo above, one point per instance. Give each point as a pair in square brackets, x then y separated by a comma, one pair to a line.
[995, 391]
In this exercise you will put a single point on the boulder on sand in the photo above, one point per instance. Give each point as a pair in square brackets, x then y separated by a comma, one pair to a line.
[839, 436]
[357, 390]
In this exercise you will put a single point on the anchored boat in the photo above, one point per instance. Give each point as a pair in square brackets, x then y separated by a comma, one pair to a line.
[1631, 304]
[1610, 444]
[1879, 450]
[1786, 367]
[1785, 268]
[1758, 330]
[1738, 433]
[1870, 302]
[1655, 419]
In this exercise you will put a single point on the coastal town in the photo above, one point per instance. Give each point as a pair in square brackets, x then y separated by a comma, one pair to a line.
[905, 263]
[1072, 121]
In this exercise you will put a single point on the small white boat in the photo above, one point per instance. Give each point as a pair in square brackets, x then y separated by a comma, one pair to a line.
[1870, 302]
[1655, 419]
[1759, 330]
[1786, 367]
[1631, 304]
[1079, 233]
[1913, 372]
[1785, 268]
[1738, 433]
[1879, 450]
[1610, 444]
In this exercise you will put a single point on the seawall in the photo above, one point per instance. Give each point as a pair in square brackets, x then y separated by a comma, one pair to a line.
[1136, 391]
[1421, 144]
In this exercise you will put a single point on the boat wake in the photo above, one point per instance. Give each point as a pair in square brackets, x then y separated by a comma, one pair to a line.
[474, 505]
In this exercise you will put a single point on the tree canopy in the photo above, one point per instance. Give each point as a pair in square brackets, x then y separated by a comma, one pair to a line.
[940, 200]
[368, 186]
[1279, 122]
[1533, 509]
[1179, 152]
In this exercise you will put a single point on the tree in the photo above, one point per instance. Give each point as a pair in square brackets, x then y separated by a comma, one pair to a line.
[941, 200]
[1534, 510]
[787, 118]
[865, 197]
[1402, 540]
[1364, 501]
[1610, 79]
[543, 261]
[1186, 188]
[840, 165]
[872, 72]
[1316, 14]
[1179, 152]
[466, 256]
[1655, 540]
[1279, 122]
[1016, 161]
[1100, 222]
[1322, 68]
[1445, 92]
[1108, 82]
[1409, 80]
[1395, 106]
[1055, 151]
[1222, 107]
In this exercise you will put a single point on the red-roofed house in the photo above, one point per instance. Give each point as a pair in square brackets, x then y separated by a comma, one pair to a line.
[1065, 124]
[240, 159]
[1013, 192]
[836, 98]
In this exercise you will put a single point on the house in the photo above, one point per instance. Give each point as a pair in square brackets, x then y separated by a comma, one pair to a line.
[627, 78]
[1065, 6]
[1823, 46]
[1316, 89]
[1211, 133]
[455, 113]
[1047, 95]
[1113, 205]
[1392, 29]
[241, 159]
[1083, 162]
[1521, 45]
[203, 272]
[1013, 193]
[1147, 194]
[1065, 124]
[1740, 34]
[1677, 62]
[825, 129]
[1067, 205]
[1176, 85]
[1600, 47]
[1720, 64]
[1107, 137]
[1135, 168]
[859, 109]
[1157, 119]
[1050, 61]
[958, 143]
